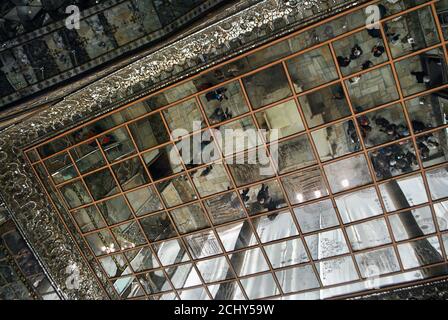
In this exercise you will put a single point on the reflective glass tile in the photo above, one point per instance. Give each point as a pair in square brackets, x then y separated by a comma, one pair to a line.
[189, 218]
[131, 173]
[267, 86]
[194, 294]
[384, 125]
[336, 141]
[237, 236]
[154, 282]
[324, 105]
[129, 235]
[199, 149]
[141, 259]
[412, 224]
[297, 279]
[203, 244]
[260, 286]
[369, 234]
[362, 51]
[251, 167]
[88, 219]
[211, 179]
[163, 162]
[128, 287]
[149, 132]
[280, 121]
[327, 244]
[216, 269]
[348, 173]
[420, 252]
[403, 193]
[102, 243]
[412, 32]
[158, 227]
[359, 205]
[117, 144]
[238, 136]
[394, 160]
[183, 276]
[438, 182]
[171, 252]
[316, 216]
[88, 156]
[372, 89]
[337, 270]
[184, 118]
[275, 226]
[226, 291]
[263, 197]
[176, 191]
[286, 253]
[224, 103]
[428, 111]
[248, 262]
[305, 185]
[224, 208]
[61, 168]
[144, 201]
[293, 154]
[115, 265]
[377, 262]
[75, 194]
[433, 148]
[441, 210]
[312, 69]
[422, 72]
[101, 184]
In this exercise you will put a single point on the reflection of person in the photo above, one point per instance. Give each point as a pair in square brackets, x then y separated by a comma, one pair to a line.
[366, 65]
[339, 94]
[394, 38]
[220, 115]
[419, 126]
[378, 51]
[244, 195]
[374, 33]
[263, 195]
[218, 95]
[206, 171]
[260, 200]
[343, 61]
[421, 77]
[356, 52]
[354, 80]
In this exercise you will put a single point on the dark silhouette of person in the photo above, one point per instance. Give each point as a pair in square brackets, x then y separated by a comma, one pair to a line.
[356, 52]
[343, 61]
[366, 65]
[378, 51]
[421, 76]
[263, 195]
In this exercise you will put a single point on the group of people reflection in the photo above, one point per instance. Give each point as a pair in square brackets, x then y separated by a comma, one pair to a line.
[219, 114]
[400, 158]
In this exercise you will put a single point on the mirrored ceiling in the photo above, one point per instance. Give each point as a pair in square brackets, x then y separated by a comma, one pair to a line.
[355, 201]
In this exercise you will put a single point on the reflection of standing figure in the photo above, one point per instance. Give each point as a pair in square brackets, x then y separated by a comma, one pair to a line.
[263, 194]
[356, 52]
[218, 95]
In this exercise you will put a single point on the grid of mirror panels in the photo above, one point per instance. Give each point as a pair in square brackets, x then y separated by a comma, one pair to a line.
[357, 201]
[21, 277]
